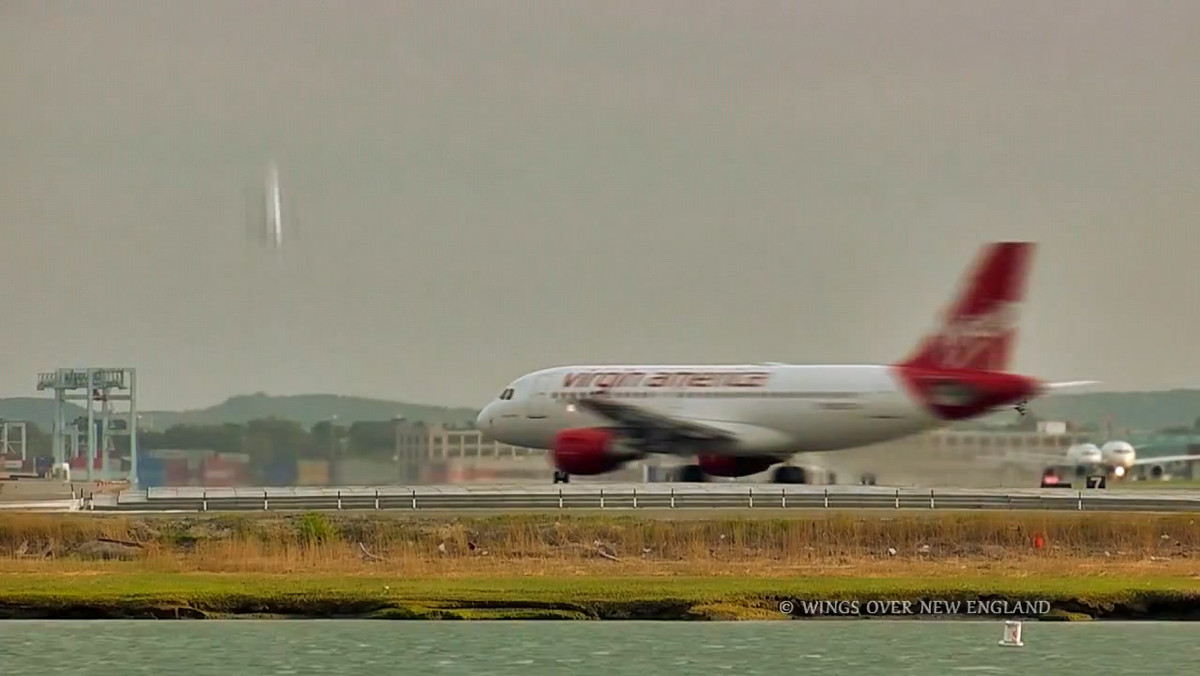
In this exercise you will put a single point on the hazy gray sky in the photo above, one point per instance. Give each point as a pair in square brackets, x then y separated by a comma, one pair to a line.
[476, 190]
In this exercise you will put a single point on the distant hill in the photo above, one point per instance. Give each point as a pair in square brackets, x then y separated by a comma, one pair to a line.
[307, 409]
[37, 410]
[1135, 410]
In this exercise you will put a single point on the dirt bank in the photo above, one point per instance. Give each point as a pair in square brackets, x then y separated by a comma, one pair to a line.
[225, 596]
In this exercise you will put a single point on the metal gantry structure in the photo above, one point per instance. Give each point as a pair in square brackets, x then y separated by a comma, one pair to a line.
[14, 439]
[101, 423]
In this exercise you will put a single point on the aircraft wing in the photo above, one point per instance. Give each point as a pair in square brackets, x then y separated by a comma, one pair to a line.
[1166, 460]
[655, 429]
[654, 432]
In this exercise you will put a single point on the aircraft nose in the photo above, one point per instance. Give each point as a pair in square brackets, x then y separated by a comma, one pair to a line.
[483, 422]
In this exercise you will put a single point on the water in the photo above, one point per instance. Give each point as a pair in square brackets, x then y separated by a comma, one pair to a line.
[333, 647]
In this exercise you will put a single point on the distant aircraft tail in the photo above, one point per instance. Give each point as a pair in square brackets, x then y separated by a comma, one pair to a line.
[273, 224]
[978, 330]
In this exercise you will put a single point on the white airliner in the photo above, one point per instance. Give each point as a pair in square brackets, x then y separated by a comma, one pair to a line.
[273, 228]
[738, 420]
[264, 223]
[1117, 459]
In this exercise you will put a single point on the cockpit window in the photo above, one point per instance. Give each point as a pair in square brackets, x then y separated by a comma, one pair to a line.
[506, 394]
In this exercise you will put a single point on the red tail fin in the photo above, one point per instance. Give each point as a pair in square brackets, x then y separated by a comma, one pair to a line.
[978, 330]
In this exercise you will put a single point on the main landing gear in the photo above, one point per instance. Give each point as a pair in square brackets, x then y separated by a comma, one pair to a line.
[690, 474]
[561, 477]
[784, 474]
[789, 474]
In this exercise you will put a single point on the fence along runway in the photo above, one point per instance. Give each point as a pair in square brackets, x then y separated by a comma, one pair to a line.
[656, 496]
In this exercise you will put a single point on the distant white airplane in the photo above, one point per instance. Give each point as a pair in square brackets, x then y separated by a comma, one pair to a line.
[739, 420]
[1116, 459]
[273, 224]
[264, 211]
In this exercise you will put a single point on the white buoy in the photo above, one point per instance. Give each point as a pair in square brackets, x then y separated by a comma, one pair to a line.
[1012, 634]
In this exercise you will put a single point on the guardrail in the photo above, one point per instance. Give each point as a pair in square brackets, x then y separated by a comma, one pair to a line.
[646, 496]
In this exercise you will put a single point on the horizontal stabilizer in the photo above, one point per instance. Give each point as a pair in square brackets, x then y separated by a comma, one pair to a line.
[1070, 383]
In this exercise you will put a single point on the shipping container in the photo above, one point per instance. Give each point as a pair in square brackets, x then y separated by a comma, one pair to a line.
[176, 453]
[434, 472]
[80, 462]
[215, 472]
[176, 472]
[241, 474]
[152, 472]
[220, 470]
[312, 472]
[281, 472]
[366, 472]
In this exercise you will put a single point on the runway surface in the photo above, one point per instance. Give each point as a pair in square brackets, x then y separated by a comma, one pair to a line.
[656, 496]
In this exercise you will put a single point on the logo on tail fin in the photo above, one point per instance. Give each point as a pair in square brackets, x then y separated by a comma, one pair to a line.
[979, 342]
[978, 329]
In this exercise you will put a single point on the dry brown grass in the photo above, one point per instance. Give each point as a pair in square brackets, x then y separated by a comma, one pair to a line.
[555, 546]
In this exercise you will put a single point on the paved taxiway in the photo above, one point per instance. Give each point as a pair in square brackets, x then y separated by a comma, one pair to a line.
[640, 496]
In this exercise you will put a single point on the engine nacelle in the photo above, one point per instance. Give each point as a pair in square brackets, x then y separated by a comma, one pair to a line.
[1086, 455]
[734, 466]
[586, 450]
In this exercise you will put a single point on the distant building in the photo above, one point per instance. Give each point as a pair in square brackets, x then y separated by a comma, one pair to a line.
[424, 452]
[1051, 427]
